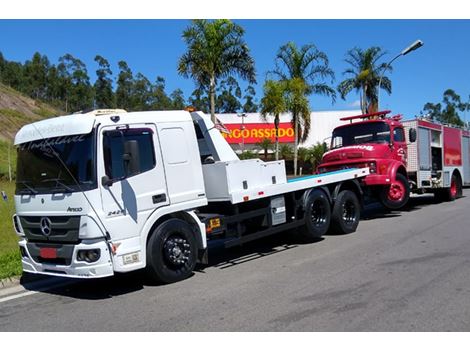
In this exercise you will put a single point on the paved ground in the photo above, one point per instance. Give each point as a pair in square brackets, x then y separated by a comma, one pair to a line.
[401, 271]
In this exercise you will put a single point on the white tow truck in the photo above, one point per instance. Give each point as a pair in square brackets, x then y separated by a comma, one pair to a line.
[111, 191]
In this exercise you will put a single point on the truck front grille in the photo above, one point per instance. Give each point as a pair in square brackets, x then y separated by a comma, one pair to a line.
[61, 229]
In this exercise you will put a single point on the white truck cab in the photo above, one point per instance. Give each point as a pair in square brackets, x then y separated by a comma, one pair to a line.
[111, 191]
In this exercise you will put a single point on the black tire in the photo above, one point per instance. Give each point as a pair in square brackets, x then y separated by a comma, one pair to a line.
[171, 252]
[396, 195]
[453, 192]
[346, 213]
[317, 216]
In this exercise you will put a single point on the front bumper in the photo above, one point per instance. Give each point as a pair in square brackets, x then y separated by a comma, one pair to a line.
[377, 180]
[76, 269]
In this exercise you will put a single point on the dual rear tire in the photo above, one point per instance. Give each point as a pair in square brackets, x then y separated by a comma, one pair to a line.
[343, 217]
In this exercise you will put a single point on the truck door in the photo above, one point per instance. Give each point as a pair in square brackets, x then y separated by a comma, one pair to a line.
[399, 143]
[132, 192]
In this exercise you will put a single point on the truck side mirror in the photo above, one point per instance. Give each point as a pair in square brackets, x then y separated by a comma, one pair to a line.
[412, 135]
[131, 158]
[106, 181]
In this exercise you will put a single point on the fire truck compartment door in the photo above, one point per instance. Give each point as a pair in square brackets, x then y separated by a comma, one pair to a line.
[424, 149]
[466, 160]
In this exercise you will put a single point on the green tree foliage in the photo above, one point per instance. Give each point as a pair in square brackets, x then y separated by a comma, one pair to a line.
[215, 50]
[124, 86]
[67, 85]
[104, 95]
[35, 76]
[274, 102]
[249, 97]
[78, 90]
[160, 100]
[177, 99]
[286, 151]
[142, 93]
[364, 75]
[199, 100]
[314, 154]
[265, 144]
[448, 111]
[228, 95]
[305, 71]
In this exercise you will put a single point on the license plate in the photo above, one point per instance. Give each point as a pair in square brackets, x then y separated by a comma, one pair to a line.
[48, 253]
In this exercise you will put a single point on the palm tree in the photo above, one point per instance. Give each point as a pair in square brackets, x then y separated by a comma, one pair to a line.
[216, 50]
[274, 103]
[365, 72]
[265, 144]
[306, 69]
[315, 154]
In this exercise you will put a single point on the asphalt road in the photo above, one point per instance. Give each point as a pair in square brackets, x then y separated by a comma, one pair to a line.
[401, 271]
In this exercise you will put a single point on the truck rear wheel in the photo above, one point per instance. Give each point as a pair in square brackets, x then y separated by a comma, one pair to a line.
[346, 213]
[453, 192]
[171, 252]
[397, 194]
[317, 216]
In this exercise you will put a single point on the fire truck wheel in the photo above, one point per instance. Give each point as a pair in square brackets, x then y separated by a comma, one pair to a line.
[454, 192]
[317, 216]
[171, 252]
[346, 213]
[397, 194]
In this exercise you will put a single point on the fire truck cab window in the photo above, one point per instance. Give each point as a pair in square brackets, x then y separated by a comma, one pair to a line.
[399, 134]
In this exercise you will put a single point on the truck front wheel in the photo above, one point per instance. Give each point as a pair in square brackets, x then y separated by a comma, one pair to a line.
[346, 213]
[317, 216]
[171, 252]
[397, 194]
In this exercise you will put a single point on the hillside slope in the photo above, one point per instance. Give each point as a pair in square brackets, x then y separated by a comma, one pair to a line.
[17, 110]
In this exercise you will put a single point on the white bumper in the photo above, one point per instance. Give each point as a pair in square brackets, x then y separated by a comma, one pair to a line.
[77, 269]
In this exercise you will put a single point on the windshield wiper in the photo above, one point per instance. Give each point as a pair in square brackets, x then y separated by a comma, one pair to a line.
[29, 190]
[59, 182]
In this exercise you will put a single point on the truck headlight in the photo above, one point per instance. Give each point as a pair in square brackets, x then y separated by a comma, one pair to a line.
[372, 167]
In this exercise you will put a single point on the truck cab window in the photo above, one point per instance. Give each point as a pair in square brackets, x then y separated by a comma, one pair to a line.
[113, 150]
[399, 134]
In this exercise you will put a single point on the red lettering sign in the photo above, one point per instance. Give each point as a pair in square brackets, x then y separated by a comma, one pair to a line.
[256, 132]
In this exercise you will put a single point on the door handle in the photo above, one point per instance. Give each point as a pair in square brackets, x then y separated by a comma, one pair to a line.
[158, 198]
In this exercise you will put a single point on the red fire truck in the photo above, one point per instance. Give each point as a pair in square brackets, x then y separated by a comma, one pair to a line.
[417, 155]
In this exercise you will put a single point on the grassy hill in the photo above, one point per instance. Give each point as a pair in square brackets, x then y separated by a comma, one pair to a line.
[16, 110]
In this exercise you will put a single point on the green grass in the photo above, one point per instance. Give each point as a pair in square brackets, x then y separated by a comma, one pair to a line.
[10, 261]
[5, 147]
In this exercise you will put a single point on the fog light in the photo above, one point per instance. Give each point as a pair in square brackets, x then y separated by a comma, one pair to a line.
[89, 255]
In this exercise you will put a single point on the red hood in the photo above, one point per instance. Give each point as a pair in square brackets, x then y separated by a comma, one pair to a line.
[363, 151]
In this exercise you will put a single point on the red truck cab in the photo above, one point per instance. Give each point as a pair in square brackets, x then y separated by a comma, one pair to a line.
[378, 142]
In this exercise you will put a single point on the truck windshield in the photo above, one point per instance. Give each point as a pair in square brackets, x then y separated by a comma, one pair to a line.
[373, 132]
[39, 169]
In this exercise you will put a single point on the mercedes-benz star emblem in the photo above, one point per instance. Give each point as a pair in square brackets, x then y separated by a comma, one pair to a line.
[46, 226]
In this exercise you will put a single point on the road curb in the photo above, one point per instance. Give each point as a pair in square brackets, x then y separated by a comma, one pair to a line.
[9, 282]
[29, 282]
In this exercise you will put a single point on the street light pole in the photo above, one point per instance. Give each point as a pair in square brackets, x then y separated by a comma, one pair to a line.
[415, 45]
